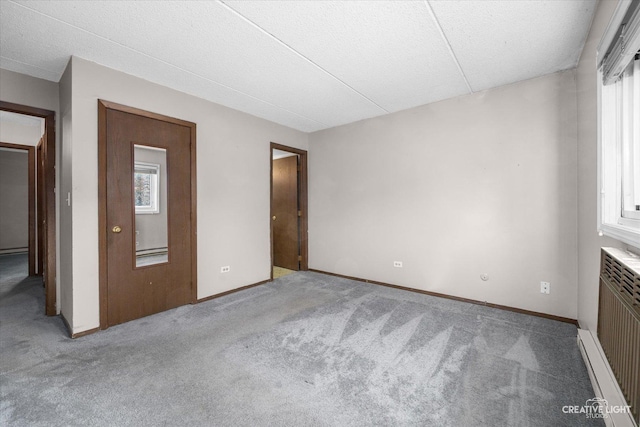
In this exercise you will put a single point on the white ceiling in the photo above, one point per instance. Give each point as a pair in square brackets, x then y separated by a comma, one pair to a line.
[309, 65]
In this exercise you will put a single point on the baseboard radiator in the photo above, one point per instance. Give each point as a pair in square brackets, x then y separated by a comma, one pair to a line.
[619, 321]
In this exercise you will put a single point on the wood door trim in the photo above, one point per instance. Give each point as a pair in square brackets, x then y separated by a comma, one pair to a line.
[138, 112]
[49, 193]
[194, 215]
[102, 214]
[31, 197]
[103, 106]
[32, 210]
[302, 200]
[39, 206]
[24, 109]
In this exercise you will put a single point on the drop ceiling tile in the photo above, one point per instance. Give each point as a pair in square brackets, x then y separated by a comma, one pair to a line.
[36, 38]
[390, 51]
[202, 88]
[357, 59]
[501, 42]
[22, 68]
[22, 44]
[207, 40]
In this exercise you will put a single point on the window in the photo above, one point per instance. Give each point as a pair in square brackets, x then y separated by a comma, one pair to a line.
[145, 188]
[619, 132]
[631, 140]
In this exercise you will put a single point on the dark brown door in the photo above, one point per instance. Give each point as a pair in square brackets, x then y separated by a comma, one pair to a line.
[286, 235]
[160, 279]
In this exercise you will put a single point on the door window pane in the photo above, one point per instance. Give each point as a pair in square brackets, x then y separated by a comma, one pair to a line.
[150, 204]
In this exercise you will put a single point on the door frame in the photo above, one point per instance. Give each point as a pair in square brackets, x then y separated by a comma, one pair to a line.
[302, 200]
[31, 197]
[49, 199]
[103, 106]
[39, 206]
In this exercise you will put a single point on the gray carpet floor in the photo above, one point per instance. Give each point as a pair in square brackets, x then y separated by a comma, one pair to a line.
[304, 350]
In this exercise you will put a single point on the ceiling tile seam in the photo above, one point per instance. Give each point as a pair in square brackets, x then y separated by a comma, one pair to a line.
[166, 63]
[310, 61]
[31, 65]
[449, 47]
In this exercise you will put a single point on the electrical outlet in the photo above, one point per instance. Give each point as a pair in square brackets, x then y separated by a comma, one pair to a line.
[397, 264]
[545, 287]
[225, 269]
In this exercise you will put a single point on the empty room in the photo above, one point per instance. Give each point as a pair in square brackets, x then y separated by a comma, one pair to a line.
[340, 213]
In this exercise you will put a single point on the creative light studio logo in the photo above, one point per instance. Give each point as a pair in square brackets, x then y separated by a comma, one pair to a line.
[597, 408]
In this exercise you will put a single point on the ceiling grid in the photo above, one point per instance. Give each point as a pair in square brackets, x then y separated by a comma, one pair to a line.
[444, 37]
[300, 55]
[308, 65]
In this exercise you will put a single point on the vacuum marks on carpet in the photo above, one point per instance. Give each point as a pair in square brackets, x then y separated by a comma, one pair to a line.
[381, 360]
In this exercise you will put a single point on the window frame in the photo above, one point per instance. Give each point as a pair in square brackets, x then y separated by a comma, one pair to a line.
[630, 159]
[154, 188]
[612, 220]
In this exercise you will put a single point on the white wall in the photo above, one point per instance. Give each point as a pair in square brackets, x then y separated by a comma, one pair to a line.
[14, 200]
[65, 254]
[14, 205]
[17, 133]
[233, 165]
[589, 243]
[484, 183]
[25, 90]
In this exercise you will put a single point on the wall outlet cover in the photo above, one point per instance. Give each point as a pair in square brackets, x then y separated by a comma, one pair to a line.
[545, 287]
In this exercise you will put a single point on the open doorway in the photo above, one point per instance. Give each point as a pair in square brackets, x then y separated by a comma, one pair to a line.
[289, 216]
[18, 233]
[28, 133]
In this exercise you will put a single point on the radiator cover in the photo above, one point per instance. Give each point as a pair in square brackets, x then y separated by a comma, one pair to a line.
[619, 321]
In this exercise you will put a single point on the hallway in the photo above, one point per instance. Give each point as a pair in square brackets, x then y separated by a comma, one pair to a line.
[22, 302]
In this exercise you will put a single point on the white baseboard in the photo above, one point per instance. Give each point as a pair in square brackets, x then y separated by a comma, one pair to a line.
[604, 382]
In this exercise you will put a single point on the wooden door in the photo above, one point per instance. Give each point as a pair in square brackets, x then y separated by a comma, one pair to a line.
[136, 290]
[286, 235]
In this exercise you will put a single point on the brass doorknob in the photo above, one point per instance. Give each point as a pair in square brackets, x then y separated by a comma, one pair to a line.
[116, 229]
[273, 217]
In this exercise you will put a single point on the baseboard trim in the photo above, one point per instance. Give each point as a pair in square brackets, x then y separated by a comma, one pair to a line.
[440, 295]
[232, 291]
[14, 251]
[602, 378]
[77, 334]
[85, 333]
[94, 330]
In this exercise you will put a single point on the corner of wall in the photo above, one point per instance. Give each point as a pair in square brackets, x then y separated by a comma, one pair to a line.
[589, 243]
[65, 239]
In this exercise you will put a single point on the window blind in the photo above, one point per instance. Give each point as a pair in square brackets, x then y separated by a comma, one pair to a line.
[624, 45]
